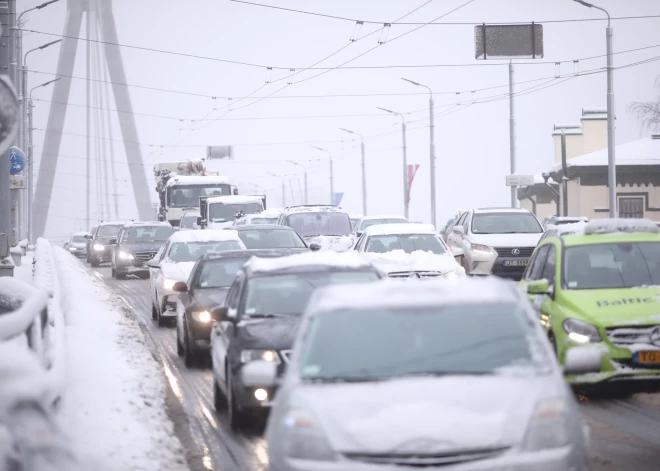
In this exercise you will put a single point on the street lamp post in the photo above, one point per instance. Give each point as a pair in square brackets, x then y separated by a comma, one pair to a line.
[31, 157]
[332, 178]
[432, 127]
[304, 176]
[611, 151]
[405, 160]
[364, 171]
[283, 188]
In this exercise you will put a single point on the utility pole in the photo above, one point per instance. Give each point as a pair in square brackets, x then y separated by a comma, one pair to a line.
[88, 117]
[13, 69]
[5, 192]
[304, 176]
[512, 134]
[405, 160]
[564, 178]
[364, 170]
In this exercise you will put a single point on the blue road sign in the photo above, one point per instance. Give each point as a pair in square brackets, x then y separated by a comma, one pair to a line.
[338, 198]
[16, 160]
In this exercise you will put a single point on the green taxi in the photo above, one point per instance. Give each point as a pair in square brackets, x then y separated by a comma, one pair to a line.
[601, 287]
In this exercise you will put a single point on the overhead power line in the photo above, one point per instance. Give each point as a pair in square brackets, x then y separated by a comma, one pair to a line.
[463, 23]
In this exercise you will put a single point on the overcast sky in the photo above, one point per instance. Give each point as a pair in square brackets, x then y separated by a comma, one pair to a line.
[472, 142]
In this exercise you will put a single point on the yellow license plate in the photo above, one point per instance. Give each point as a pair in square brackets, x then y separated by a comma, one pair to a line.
[647, 357]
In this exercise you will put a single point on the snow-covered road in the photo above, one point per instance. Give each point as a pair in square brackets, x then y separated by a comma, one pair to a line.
[209, 441]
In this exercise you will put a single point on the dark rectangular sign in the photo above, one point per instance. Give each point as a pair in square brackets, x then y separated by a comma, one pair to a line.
[508, 41]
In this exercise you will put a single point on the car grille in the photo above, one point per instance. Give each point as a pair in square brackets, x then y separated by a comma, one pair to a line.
[525, 252]
[624, 336]
[286, 355]
[420, 460]
[414, 274]
[144, 256]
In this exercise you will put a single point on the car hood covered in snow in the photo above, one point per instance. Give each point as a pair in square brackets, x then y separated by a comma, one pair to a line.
[177, 271]
[417, 261]
[393, 416]
[507, 240]
[333, 243]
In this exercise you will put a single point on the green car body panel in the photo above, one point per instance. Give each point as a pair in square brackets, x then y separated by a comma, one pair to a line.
[606, 309]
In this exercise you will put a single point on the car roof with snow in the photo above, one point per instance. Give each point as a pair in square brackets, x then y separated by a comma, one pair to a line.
[245, 253]
[80, 233]
[206, 235]
[197, 180]
[382, 216]
[314, 208]
[234, 199]
[400, 229]
[500, 210]
[148, 224]
[393, 294]
[270, 212]
[258, 227]
[114, 223]
[309, 262]
[600, 231]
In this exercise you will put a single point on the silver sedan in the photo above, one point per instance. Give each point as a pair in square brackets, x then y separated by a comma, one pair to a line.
[457, 375]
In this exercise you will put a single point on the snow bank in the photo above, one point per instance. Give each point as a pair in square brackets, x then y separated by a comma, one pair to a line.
[114, 407]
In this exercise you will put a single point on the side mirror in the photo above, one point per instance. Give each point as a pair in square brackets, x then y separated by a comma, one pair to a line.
[221, 314]
[199, 221]
[87, 236]
[113, 241]
[153, 264]
[235, 191]
[259, 374]
[180, 287]
[358, 233]
[315, 246]
[538, 287]
[583, 360]
[459, 230]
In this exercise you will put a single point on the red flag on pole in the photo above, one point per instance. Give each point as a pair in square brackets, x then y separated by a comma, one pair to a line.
[412, 170]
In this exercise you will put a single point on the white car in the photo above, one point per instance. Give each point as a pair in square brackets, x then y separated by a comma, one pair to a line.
[367, 221]
[497, 241]
[223, 210]
[256, 219]
[389, 375]
[409, 250]
[174, 262]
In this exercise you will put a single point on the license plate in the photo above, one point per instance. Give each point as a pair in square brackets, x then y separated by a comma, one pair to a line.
[515, 263]
[647, 358]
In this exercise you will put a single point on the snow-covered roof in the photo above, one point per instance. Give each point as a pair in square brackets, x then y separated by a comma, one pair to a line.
[383, 216]
[197, 180]
[208, 235]
[423, 292]
[396, 229]
[591, 113]
[234, 199]
[115, 223]
[148, 223]
[350, 259]
[568, 132]
[271, 212]
[419, 261]
[640, 152]
[500, 210]
[315, 209]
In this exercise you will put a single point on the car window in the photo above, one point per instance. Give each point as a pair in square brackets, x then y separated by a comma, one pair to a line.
[234, 292]
[460, 220]
[550, 265]
[536, 267]
[191, 251]
[145, 234]
[271, 239]
[219, 273]
[310, 224]
[505, 223]
[466, 222]
[160, 255]
[407, 242]
[188, 221]
[76, 239]
[108, 231]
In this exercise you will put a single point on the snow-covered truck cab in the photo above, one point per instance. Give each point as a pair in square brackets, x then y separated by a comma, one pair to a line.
[219, 212]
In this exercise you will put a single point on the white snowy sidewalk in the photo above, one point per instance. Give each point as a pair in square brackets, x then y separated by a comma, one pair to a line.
[114, 405]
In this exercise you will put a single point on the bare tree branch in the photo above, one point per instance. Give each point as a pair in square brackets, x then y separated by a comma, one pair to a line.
[647, 113]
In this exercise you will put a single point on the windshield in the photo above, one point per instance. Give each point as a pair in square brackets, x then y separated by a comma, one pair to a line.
[108, 231]
[612, 265]
[314, 224]
[263, 221]
[407, 242]
[288, 294]
[505, 223]
[188, 221]
[78, 239]
[191, 251]
[375, 222]
[454, 339]
[187, 196]
[146, 234]
[220, 273]
[220, 212]
[271, 239]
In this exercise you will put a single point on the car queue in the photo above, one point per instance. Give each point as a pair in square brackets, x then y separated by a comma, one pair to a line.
[275, 310]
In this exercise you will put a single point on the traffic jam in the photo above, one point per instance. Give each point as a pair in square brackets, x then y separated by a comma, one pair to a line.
[341, 335]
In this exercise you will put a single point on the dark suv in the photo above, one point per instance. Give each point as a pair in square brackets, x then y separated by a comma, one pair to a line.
[260, 319]
[135, 245]
[100, 247]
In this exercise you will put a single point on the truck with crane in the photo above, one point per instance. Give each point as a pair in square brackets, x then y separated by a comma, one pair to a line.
[181, 184]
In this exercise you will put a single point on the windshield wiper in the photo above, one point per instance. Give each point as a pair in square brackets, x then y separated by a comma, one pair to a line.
[264, 316]
[441, 373]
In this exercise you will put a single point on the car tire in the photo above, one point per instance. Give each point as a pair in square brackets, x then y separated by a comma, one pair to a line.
[179, 347]
[236, 415]
[154, 314]
[162, 321]
[95, 262]
[113, 273]
[119, 275]
[219, 400]
[189, 356]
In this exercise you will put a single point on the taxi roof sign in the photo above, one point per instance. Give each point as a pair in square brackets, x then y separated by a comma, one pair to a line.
[621, 225]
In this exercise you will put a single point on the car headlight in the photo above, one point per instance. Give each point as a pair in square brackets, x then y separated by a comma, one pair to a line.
[483, 248]
[580, 331]
[202, 316]
[263, 355]
[168, 284]
[548, 427]
[72, 249]
[304, 439]
[126, 256]
[98, 247]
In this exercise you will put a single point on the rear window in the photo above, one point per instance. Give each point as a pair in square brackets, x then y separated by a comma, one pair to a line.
[505, 223]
